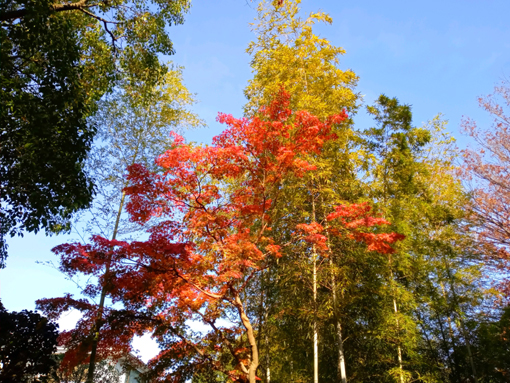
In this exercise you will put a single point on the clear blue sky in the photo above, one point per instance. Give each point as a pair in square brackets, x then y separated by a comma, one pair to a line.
[438, 56]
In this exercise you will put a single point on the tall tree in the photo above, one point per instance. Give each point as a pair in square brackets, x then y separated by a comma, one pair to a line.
[287, 53]
[434, 279]
[395, 143]
[487, 170]
[58, 59]
[134, 127]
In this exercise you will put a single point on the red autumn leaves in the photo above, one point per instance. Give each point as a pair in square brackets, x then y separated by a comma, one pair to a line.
[349, 222]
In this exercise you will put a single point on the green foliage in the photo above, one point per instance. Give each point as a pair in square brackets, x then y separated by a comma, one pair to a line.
[44, 135]
[394, 145]
[492, 347]
[58, 60]
[436, 272]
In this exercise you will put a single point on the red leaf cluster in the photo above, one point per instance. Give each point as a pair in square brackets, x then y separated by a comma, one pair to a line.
[350, 221]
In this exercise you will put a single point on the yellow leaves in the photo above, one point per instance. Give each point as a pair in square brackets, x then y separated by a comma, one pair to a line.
[288, 53]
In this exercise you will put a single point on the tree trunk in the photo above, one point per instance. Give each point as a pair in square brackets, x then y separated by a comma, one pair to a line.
[254, 360]
[395, 310]
[399, 349]
[99, 319]
[268, 369]
[341, 371]
[342, 374]
[315, 334]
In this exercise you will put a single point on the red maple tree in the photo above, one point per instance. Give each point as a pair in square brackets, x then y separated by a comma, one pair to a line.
[212, 235]
[219, 200]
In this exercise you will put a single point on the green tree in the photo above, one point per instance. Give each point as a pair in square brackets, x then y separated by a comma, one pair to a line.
[394, 148]
[434, 280]
[492, 348]
[58, 59]
[27, 342]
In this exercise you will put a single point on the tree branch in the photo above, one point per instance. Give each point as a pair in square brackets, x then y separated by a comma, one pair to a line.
[20, 13]
[207, 293]
[105, 23]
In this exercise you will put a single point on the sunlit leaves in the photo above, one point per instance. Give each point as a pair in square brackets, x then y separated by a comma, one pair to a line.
[287, 53]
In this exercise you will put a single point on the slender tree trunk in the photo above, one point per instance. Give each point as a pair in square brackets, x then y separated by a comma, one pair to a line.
[263, 330]
[341, 371]
[268, 366]
[315, 333]
[262, 318]
[395, 310]
[399, 349]
[98, 322]
[342, 374]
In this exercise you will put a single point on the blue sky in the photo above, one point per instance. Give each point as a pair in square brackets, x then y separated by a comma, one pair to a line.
[438, 56]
